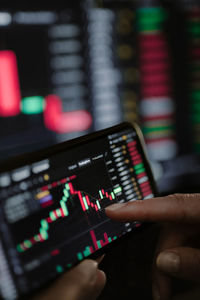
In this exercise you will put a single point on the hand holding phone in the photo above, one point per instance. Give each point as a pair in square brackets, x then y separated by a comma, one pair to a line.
[84, 281]
[53, 204]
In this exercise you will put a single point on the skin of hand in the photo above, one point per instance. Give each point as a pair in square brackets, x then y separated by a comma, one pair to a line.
[84, 281]
[178, 249]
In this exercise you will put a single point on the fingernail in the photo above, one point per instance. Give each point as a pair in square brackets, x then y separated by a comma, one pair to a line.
[99, 259]
[156, 292]
[115, 206]
[168, 262]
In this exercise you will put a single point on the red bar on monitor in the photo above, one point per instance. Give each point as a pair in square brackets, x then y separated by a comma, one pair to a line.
[57, 120]
[10, 96]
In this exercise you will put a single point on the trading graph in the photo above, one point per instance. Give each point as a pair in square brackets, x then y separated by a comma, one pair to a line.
[97, 244]
[87, 202]
[11, 103]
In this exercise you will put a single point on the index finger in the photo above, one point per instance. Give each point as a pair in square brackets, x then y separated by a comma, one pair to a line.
[172, 208]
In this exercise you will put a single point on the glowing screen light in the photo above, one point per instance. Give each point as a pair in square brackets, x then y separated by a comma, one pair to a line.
[32, 105]
[64, 122]
[9, 85]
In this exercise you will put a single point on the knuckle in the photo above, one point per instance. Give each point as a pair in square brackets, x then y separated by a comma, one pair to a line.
[181, 204]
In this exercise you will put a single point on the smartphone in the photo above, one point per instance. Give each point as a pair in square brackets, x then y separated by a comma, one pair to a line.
[52, 207]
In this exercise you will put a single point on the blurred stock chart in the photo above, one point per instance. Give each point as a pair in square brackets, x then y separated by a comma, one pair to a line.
[70, 69]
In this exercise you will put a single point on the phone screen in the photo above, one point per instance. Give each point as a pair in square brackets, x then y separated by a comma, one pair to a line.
[52, 205]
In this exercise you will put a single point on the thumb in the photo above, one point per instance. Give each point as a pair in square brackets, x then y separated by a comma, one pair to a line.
[181, 262]
[85, 281]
